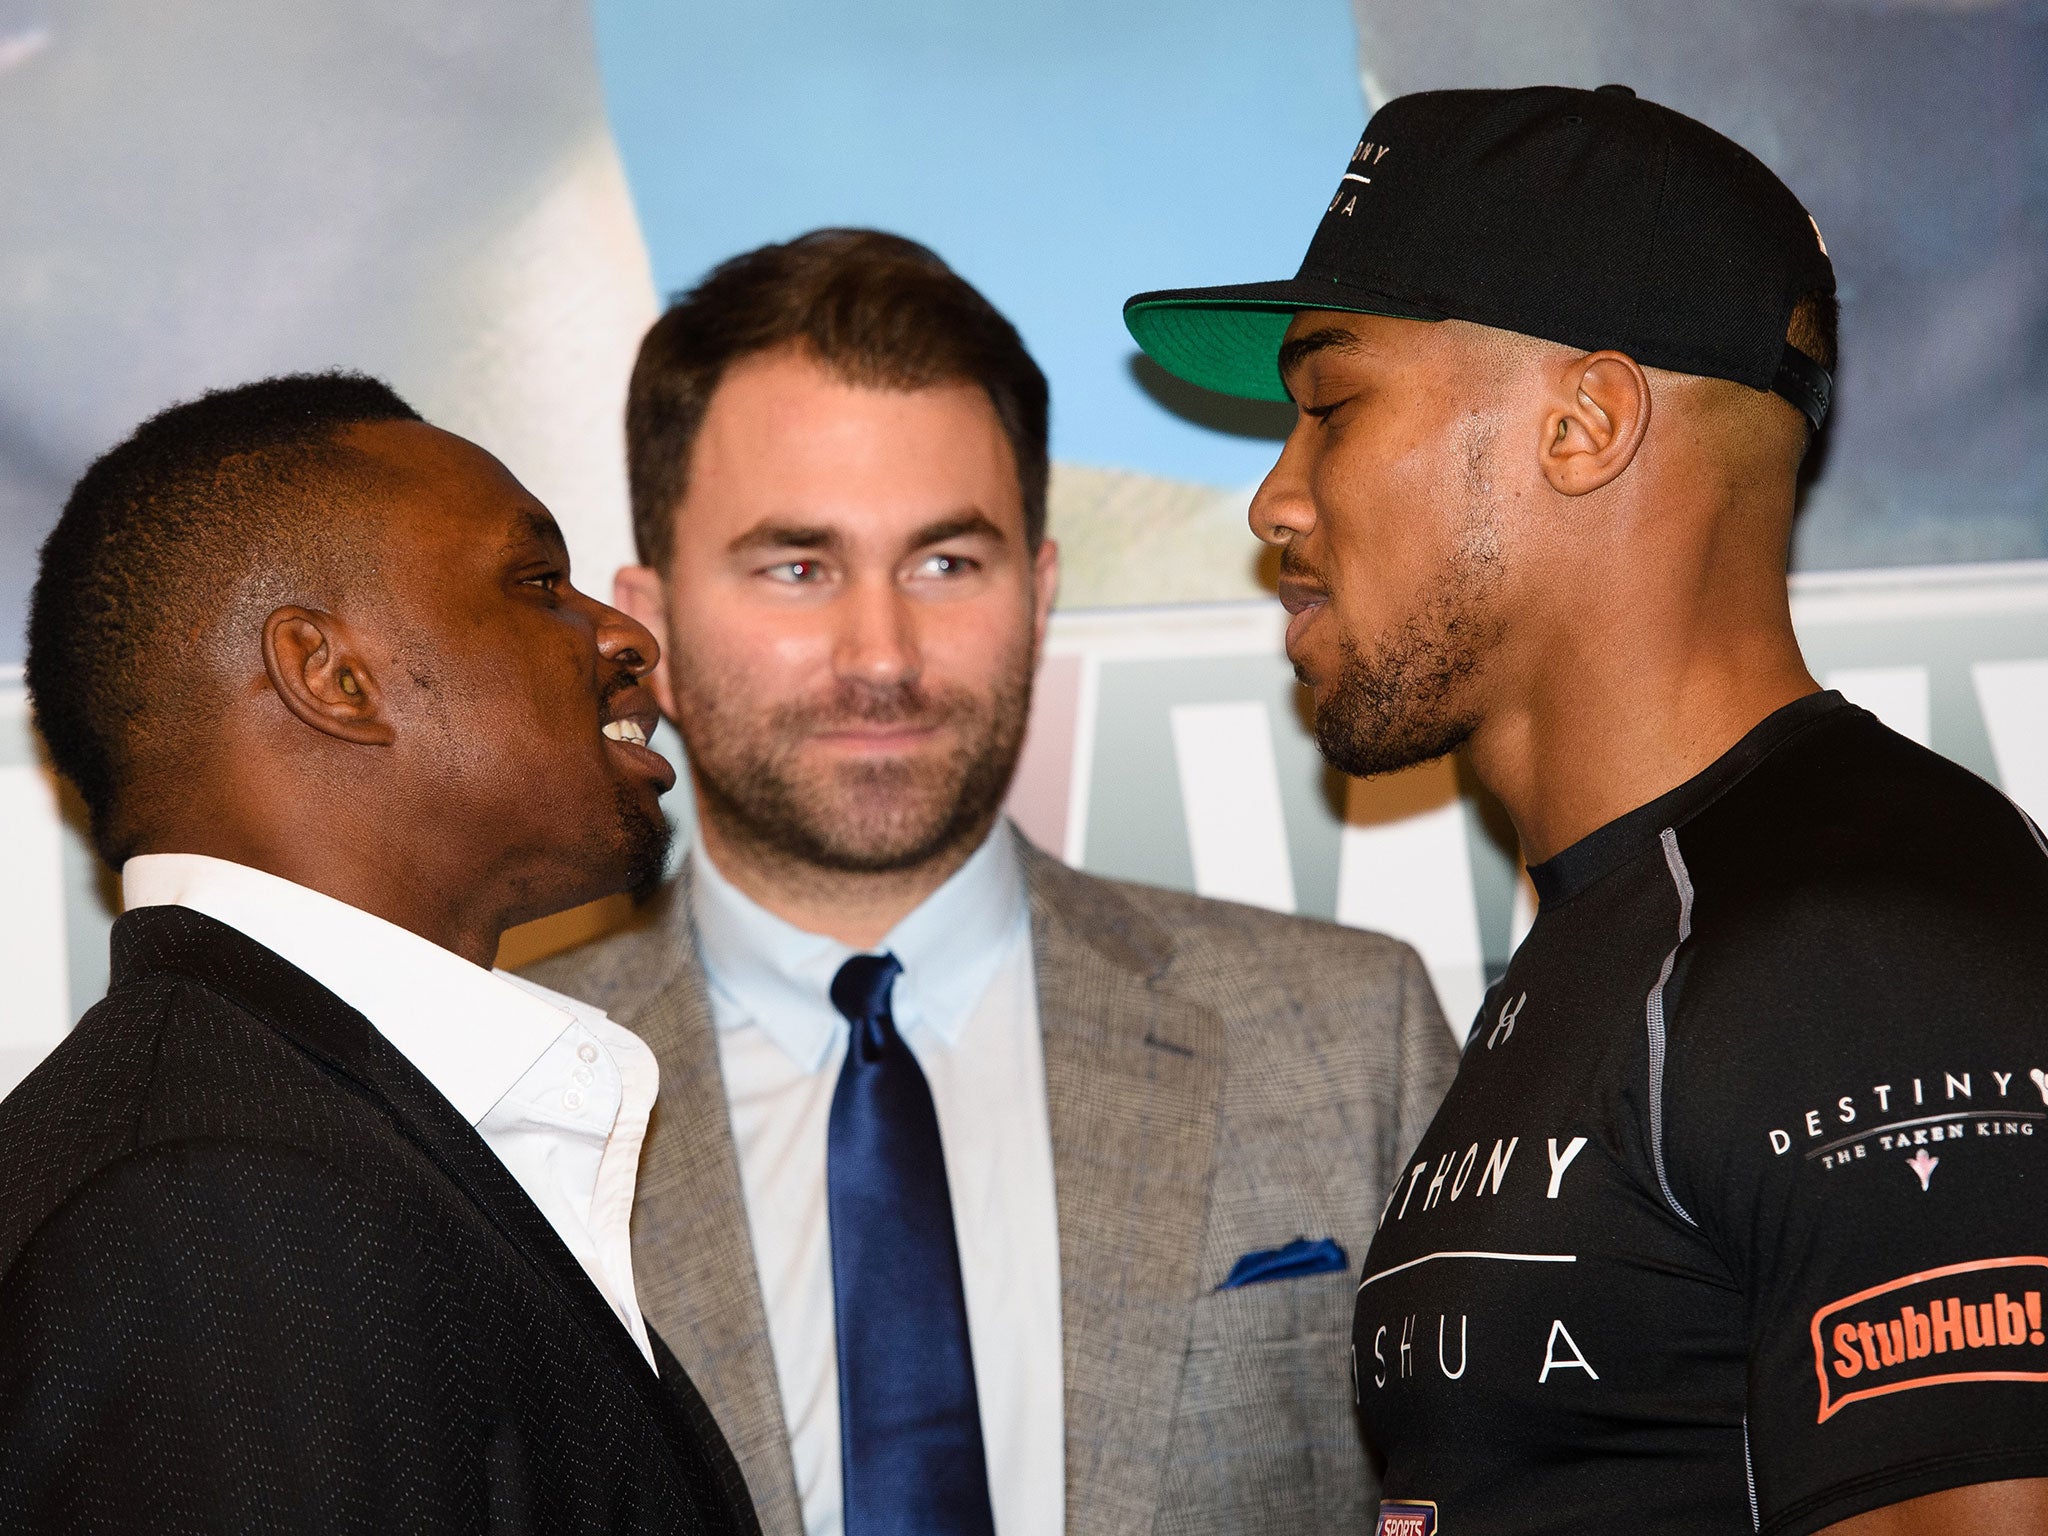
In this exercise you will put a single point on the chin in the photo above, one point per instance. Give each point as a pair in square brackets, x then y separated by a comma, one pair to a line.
[624, 847]
[889, 837]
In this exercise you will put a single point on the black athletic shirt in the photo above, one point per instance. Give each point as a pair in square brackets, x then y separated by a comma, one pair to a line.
[1736, 1215]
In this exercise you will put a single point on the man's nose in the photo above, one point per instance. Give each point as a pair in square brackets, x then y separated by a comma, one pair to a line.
[625, 642]
[1281, 511]
[877, 634]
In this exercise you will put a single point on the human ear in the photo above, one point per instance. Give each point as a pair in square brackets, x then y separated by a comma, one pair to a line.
[1045, 578]
[637, 591]
[1592, 431]
[315, 668]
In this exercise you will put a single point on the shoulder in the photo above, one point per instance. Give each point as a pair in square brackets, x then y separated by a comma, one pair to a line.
[217, 1211]
[1297, 978]
[1866, 920]
[94, 1096]
[1849, 809]
[1856, 864]
[1199, 929]
[258, 1187]
[96, 1079]
[163, 1061]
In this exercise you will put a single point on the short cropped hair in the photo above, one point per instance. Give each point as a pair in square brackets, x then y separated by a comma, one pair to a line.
[875, 308]
[208, 506]
[1812, 328]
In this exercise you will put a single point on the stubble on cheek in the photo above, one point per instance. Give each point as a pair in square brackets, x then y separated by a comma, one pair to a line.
[1408, 698]
[763, 776]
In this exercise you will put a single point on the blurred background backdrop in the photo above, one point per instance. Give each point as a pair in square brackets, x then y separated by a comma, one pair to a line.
[485, 204]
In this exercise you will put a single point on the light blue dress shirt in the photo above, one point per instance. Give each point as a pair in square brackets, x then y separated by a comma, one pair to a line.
[967, 1007]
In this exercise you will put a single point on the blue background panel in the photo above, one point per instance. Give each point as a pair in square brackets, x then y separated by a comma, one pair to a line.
[1058, 154]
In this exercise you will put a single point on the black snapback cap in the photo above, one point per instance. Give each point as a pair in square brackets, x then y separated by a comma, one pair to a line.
[1590, 218]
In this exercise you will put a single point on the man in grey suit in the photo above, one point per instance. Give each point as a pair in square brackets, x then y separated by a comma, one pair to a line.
[981, 1194]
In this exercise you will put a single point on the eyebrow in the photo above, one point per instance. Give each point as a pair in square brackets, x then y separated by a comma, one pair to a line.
[969, 522]
[535, 525]
[783, 536]
[1331, 338]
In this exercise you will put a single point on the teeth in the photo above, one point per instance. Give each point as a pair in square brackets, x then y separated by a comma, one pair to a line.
[626, 730]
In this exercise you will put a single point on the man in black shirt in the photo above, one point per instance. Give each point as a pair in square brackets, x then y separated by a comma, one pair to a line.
[1734, 1216]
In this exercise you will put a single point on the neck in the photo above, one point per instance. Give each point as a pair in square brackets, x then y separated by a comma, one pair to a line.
[858, 908]
[1591, 720]
[396, 885]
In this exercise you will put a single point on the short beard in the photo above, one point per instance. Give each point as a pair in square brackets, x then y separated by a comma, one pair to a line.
[1411, 701]
[625, 851]
[1407, 703]
[860, 819]
[644, 838]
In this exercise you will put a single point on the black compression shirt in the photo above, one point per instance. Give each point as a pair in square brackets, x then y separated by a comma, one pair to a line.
[1736, 1215]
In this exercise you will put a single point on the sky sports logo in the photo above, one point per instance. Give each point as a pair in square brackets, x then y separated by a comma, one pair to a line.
[1401, 1517]
[1980, 1321]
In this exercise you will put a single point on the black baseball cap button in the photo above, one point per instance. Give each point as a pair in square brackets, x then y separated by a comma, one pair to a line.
[1618, 90]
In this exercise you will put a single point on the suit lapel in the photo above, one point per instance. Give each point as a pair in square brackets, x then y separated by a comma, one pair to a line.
[1133, 1080]
[269, 987]
[693, 1256]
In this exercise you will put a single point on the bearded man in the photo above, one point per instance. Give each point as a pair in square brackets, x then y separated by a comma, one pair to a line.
[1063, 1242]
[1742, 1166]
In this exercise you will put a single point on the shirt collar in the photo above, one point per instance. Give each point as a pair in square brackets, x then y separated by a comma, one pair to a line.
[1564, 875]
[472, 1033]
[770, 973]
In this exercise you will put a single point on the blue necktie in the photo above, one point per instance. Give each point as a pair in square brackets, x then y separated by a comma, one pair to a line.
[909, 1426]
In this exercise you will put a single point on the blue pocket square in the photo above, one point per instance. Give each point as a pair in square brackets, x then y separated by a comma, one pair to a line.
[1300, 1257]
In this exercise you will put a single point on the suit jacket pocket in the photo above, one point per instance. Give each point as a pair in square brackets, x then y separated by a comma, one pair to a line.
[1275, 1311]
[1265, 1438]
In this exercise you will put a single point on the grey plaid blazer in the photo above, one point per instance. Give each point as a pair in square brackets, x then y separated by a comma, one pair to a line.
[1220, 1080]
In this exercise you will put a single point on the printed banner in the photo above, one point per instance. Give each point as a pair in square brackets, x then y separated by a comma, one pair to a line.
[1169, 745]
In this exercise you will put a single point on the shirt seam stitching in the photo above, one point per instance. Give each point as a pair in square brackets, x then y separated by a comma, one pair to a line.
[1674, 861]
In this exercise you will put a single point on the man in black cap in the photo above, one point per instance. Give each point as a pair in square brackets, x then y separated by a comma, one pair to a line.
[1733, 1216]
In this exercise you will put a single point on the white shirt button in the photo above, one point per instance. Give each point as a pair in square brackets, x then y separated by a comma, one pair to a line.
[572, 1100]
[584, 1076]
[588, 1051]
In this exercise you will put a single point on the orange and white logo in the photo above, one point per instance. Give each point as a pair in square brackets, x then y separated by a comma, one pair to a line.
[1979, 1321]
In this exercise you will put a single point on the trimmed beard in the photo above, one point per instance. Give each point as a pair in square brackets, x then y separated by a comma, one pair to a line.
[855, 818]
[1410, 701]
[645, 837]
[1407, 702]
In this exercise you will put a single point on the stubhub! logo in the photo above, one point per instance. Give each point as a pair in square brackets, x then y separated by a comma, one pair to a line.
[1406, 1517]
[1980, 1321]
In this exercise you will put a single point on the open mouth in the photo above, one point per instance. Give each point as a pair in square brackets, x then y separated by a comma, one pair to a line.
[633, 718]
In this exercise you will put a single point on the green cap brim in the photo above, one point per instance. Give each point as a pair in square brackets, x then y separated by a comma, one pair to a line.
[1228, 339]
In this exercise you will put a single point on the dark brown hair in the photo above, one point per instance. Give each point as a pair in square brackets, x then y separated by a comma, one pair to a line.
[875, 308]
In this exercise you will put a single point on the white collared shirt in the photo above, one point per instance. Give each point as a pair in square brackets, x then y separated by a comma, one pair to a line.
[967, 1006]
[557, 1090]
